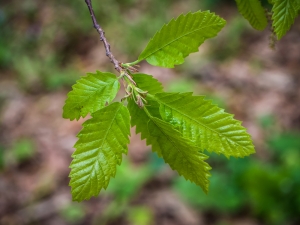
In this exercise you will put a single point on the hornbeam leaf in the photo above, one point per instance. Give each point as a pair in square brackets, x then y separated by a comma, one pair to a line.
[99, 150]
[90, 94]
[180, 37]
[179, 153]
[253, 11]
[207, 125]
[284, 14]
[139, 118]
[147, 83]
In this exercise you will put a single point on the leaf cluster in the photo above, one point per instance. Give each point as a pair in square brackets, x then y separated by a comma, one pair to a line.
[180, 127]
[284, 13]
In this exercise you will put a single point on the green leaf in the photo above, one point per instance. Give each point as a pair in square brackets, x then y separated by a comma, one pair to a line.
[207, 125]
[99, 150]
[271, 2]
[182, 36]
[147, 83]
[284, 14]
[139, 118]
[90, 94]
[253, 11]
[167, 142]
[179, 153]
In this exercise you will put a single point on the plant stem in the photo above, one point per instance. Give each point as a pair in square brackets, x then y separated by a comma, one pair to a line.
[102, 37]
[131, 64]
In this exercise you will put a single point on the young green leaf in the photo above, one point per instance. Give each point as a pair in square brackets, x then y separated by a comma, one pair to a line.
[179, 153]
[167, 142]
[147, 83]
[99, 150]
[182, 36]
[139, 118]
[207, 125]
[90, 94]
[182, 155]
[253, 11]
[284, 14]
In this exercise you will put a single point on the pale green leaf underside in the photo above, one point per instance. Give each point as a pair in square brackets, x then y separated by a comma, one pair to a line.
[207, 125]
[182, 36]
[90, 94]
[253, 11]
[284, 14]
[99, 150]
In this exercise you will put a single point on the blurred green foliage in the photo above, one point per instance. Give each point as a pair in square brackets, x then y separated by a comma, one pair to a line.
[270, 188]
[140, 216]
[231, 43]
[181, 85]
[42, 43]
[128, 180]
[186, 84]
[73, 213]
[123, 188]
[21, 151]
[32, 47]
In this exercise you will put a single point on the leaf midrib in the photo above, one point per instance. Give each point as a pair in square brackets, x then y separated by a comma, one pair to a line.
[159, 49]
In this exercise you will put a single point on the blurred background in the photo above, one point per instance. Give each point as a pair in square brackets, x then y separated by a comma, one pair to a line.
[46, 45]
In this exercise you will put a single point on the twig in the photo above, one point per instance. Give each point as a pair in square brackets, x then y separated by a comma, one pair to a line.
[103, 38]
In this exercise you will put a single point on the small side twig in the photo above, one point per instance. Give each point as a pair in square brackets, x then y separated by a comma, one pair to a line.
[103, 38]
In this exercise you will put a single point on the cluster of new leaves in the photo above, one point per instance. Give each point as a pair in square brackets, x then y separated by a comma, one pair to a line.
[178, 126]
[284, 13]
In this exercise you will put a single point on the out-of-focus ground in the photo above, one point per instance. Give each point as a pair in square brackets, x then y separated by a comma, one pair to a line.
[46, 45]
